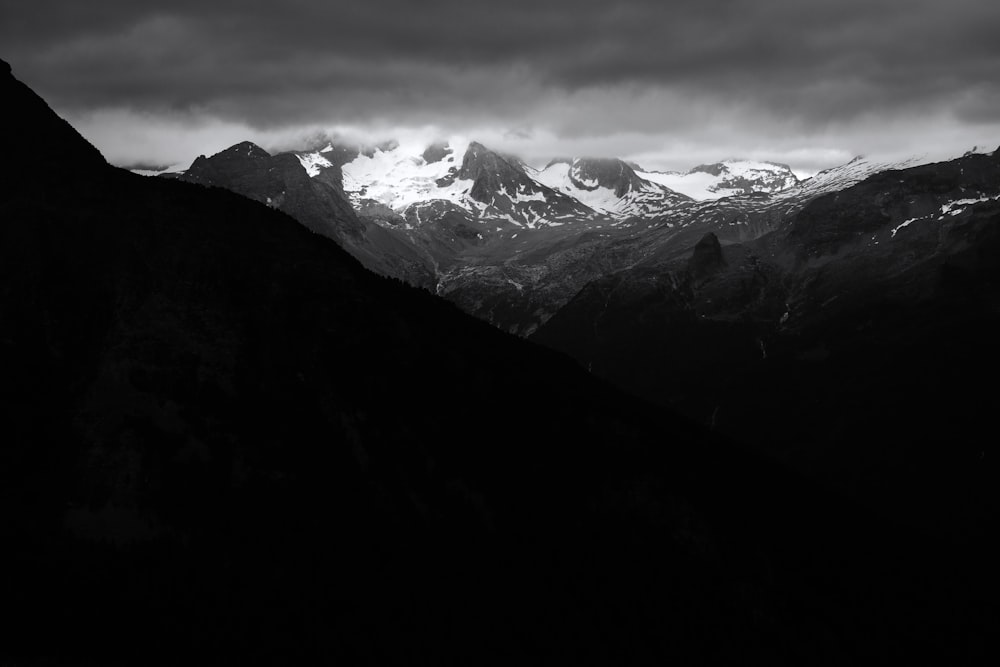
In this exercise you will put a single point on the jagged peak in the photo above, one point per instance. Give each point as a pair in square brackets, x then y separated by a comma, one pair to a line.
[244, 149]
[589, 173]
[478, 159]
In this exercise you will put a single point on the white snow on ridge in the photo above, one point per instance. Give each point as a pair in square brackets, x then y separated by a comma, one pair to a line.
[704, 186]
[697, 185]
[313, 163]
[518, 196]
[955, 207]
[846, 175]
[908, 223]
[398, 179]
[172, 169]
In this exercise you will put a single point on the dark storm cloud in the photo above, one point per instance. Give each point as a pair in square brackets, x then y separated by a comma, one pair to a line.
[575, 66]
[240, 56]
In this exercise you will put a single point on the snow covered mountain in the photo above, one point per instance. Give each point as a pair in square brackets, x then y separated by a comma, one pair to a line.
[611, 186]
[726, 179]
[489, 191]
[741, 217]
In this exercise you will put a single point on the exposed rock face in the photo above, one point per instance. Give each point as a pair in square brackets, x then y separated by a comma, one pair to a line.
[489, 173]
[281, 182]
[436, 152]
[610, 173]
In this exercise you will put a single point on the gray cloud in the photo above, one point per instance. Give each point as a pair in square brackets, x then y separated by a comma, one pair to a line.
[825, 76]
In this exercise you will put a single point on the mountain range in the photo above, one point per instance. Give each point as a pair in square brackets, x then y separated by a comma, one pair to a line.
[691, 303]
[227, 440]
[506, 242]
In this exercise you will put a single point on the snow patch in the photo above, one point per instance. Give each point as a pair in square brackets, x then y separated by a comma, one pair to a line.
[313, 163]
[955, 207]
[399, 179]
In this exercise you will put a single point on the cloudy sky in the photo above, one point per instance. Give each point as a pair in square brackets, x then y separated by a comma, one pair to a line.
[668, 84]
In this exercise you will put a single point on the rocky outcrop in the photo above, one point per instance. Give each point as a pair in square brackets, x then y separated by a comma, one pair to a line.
[436, 152]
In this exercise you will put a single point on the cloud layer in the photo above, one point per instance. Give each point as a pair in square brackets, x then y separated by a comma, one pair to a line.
[674, 83]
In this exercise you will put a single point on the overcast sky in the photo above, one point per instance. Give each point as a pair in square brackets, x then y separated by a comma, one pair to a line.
[669, 84]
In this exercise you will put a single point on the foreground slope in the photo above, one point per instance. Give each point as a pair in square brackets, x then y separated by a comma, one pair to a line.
[227, 441]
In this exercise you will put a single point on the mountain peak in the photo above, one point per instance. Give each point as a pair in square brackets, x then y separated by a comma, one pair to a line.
[246, 149]
[611, 186]
[480, 163]
[591, 173]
